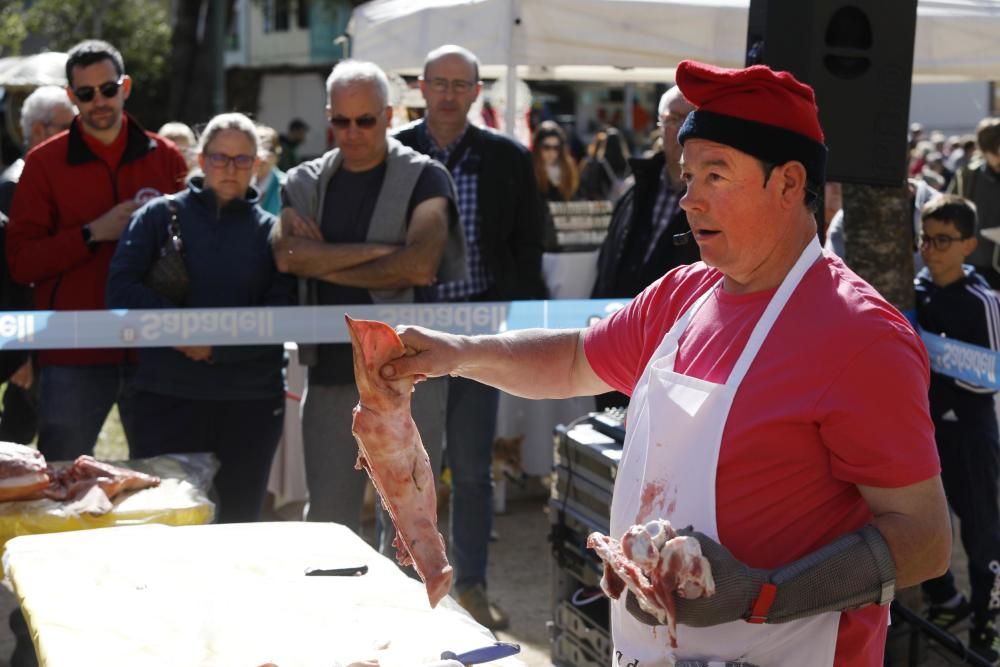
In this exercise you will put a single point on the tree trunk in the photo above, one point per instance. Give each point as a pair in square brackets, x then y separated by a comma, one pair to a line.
[878, 240]
[193, 84]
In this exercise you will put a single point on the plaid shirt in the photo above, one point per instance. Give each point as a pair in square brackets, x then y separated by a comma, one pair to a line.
[663, 210]
[466, 182]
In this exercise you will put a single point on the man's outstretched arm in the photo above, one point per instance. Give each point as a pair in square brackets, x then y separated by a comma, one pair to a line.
[532, 363]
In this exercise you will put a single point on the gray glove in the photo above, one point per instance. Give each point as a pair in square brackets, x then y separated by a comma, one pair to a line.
[852, 571]
[736, 587]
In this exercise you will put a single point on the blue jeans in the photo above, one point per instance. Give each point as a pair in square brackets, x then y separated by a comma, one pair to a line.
[471, 423]
[74, 401]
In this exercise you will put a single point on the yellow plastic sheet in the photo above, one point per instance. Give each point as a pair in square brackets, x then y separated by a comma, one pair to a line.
[180, 500]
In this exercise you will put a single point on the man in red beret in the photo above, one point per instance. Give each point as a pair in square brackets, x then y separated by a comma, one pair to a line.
[779, 404]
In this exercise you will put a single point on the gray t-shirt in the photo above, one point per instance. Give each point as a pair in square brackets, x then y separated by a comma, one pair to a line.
[347, 212]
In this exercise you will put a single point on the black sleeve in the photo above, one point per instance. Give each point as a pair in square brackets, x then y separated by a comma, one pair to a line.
[434, 181]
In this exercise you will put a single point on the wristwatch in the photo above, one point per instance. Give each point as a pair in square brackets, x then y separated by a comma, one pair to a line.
[88, 238]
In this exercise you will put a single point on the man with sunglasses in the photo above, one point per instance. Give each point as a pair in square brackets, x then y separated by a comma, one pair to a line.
[502, 215]
[370, 221]
[73, 201]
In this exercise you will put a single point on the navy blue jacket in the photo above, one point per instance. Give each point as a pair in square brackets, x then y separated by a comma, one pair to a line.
[228, 257]
[969, 311]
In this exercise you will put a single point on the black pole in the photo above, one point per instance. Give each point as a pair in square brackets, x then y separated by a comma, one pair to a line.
[943, 637]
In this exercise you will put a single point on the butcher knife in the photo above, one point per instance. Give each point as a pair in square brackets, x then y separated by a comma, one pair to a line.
[489, 653]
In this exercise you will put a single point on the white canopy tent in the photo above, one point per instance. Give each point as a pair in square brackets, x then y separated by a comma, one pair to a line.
[635, 40]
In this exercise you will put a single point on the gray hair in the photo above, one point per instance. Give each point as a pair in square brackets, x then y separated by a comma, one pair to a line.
[349, 72]
[228, 121]
[453, 50]
[176, 131]
[40, 105]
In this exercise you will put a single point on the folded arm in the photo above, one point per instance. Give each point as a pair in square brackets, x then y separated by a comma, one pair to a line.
[299, 248]
[415, 263]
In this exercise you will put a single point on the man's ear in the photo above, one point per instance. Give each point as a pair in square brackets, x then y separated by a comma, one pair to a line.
[126, 86]
[791, 177]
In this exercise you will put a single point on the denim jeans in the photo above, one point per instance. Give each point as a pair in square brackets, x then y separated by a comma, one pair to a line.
[471, 423]
[74, 401]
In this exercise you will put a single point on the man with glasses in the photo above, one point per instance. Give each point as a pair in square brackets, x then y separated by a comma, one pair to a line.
[640, 245]
[45, 113]
[72, 203]
[370, 221]
[502, 217]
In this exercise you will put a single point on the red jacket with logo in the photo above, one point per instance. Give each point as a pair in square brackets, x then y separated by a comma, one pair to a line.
[64, 186]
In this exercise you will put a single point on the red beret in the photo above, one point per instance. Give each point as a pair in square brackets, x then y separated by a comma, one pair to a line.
[769, 115]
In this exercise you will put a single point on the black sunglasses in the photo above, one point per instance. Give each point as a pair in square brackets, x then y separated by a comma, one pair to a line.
[108, 90]
[365, 122]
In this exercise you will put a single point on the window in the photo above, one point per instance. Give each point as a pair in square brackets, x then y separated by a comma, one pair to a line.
[303, 13]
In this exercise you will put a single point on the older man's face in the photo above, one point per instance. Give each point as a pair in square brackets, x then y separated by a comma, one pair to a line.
[731, 211]
[359, 121]
[670, 122]
[449, 87]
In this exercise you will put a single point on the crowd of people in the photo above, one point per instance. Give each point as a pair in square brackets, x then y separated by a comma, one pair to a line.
[440, 210]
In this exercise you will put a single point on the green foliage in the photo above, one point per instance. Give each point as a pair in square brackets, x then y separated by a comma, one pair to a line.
[140, 29]
[12, 29]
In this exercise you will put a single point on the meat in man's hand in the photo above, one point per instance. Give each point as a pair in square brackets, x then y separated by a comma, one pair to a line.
[654, 563]
[391, 452]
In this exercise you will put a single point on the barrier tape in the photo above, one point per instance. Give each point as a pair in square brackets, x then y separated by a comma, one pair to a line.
[78, 329]
[964, 361]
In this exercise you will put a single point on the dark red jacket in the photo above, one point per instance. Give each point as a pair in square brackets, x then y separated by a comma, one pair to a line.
[64, 186]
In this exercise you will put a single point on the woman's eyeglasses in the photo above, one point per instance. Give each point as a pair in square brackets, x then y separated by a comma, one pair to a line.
[551, 147]
[221, 160]
[939, 242]
[365, 122]
[108, 90]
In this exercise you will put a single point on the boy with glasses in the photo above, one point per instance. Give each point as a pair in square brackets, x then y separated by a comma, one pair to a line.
[954, 300]
[73, 201]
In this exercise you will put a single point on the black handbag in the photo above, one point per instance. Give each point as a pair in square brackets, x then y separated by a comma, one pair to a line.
[169, 275]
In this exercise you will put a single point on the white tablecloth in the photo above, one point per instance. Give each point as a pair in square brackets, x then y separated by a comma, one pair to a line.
[226, 595]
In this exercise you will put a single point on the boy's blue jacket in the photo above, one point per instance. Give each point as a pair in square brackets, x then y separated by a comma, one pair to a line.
[967, 310]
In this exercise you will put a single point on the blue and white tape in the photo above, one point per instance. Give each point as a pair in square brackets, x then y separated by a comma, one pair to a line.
[77, 329]
[964, 361]
[256, 326]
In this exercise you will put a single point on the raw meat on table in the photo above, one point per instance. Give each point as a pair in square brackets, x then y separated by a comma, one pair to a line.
[391, 452]
[87, 472]
[23, 472]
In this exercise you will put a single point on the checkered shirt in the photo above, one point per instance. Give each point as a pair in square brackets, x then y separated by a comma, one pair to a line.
[663, 210]
[466, 180]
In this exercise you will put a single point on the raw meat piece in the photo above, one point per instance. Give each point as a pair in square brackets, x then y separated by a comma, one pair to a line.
[23, 472]
[86, 472]
[654, 563]
[391, 452]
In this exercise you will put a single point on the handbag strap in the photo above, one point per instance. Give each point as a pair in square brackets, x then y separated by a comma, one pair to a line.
[174, 227]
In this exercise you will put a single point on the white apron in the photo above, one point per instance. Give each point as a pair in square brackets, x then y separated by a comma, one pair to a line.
[668, 467]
